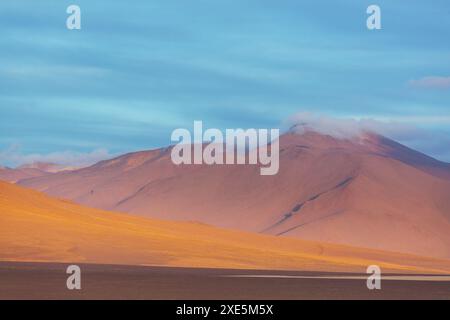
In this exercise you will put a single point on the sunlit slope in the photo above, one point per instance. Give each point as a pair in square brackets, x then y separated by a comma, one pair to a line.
[35, 227]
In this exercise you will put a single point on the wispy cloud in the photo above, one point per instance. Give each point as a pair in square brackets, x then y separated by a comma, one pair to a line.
[431, 82]
[435, 143]
[349, 127]
[14, 156]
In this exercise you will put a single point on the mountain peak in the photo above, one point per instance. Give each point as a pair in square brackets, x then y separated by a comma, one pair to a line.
[337, 132]
[310, 137]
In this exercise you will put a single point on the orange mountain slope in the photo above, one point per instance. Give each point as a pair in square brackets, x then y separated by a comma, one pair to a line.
[35, 227]
[367, 191]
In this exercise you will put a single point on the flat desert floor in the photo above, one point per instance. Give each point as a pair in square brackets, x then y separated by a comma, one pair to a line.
[45, 281]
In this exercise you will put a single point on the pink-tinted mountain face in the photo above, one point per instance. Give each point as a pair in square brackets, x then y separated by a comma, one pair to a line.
[367, 191]
[14, 175]
[32, 170]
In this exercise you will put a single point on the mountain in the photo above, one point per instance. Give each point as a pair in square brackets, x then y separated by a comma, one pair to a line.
[35, 227]
[366, 191]
[14, 175]
[47, 167]
[32, 170]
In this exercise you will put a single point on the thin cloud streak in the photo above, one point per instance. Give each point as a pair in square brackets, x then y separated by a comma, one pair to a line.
[14, 156]
[431, 82]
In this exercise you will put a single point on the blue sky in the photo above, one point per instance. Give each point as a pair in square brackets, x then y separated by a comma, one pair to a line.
[138, 70]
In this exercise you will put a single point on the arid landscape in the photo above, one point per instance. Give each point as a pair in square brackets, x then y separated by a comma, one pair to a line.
[330, 210]
[224, 150]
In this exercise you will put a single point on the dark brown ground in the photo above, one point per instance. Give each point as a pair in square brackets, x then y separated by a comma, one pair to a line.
[48, 281]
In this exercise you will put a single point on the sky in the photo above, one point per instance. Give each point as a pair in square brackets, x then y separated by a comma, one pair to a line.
[138, 70]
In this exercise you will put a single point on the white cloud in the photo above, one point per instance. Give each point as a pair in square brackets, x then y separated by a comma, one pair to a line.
[13, 155]
[345, 128]
[431, 82]
[435, 143]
